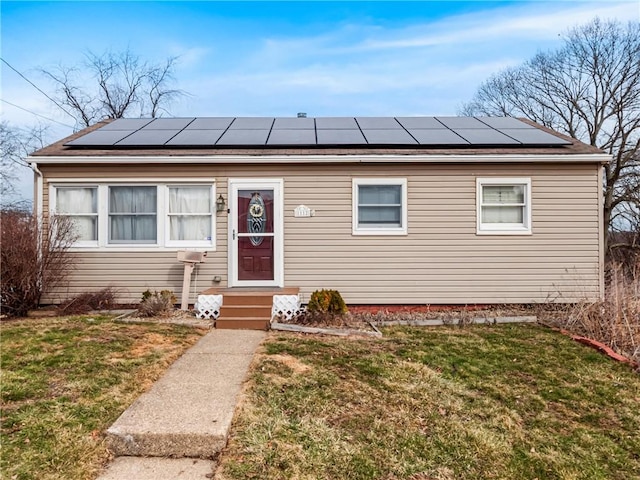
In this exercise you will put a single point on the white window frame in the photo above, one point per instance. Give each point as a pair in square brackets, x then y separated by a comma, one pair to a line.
[105, 191]
[379, 230]
[212, 212]
[523, 228]
[53, 196]
[162, 235]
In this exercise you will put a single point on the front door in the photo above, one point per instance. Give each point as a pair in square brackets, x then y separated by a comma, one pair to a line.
[255, 232]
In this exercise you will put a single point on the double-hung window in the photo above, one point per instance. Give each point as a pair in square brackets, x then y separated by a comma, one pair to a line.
[380, 206]
[130, 215]
[80, 204]
[189, 210]
[503, 206]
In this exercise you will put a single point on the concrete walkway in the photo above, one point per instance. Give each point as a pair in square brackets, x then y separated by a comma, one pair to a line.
[187, 413]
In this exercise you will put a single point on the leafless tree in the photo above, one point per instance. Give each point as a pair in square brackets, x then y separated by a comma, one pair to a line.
[121, 84]
[34, 258]
[589, 88]
[15, 145]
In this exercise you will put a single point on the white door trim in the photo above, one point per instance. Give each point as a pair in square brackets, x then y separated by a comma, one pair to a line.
[236, 184]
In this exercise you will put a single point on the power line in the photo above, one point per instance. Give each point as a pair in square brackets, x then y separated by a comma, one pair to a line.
[36, 114]
[36, 87]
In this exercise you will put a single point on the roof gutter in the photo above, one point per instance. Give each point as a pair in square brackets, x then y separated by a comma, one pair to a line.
[601, 158]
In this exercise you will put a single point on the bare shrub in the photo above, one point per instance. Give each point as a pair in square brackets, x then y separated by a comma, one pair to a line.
[614, 321]
[85, 302]
[156, 303]
[34, 260]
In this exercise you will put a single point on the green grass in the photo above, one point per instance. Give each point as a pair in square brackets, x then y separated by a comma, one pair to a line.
[64, 381]
[479, 402]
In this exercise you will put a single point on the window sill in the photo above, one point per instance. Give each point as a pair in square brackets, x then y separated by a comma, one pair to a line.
[506, 231]
[380, 232]
[141, 248]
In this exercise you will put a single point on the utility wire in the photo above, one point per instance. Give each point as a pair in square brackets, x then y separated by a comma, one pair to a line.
[36, 87]
[34, 113]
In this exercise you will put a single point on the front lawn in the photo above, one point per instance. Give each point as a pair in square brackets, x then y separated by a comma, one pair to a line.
[64, 381]
[477, 402]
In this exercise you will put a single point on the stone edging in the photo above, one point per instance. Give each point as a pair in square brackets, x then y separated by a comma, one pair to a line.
[339, 332]
[455, 321]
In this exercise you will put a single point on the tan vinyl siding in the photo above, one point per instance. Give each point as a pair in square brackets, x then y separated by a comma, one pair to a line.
[440, 261]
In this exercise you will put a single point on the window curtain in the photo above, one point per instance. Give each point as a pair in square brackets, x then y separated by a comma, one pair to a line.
[190, 213]
[133, 214]
[380, 205]
[503, 203]
[81, 205]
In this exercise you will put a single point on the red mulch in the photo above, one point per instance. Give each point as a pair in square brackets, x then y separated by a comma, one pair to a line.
[374, 309]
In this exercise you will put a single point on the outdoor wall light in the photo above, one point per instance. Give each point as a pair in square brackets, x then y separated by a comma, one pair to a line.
[221, 205]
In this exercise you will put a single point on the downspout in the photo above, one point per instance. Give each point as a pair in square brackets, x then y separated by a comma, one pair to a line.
[39, 194]
[601, 233]
[38, 206]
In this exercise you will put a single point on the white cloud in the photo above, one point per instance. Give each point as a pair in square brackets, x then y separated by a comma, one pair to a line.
[389, 70]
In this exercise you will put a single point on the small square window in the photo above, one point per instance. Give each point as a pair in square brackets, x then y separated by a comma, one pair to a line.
[503, 206]
[379, 206]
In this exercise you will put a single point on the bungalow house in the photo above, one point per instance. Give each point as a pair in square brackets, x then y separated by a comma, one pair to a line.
[386, 210]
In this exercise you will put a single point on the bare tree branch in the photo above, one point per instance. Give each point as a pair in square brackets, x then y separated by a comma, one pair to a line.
[120, 84]
[15, 145]
[589, 89]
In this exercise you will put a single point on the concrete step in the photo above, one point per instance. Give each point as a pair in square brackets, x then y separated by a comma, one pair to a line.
[188, 412]
[146, 468]
[243, 323]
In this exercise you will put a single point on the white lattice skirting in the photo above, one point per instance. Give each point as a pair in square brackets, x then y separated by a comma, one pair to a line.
[208, 306]
[286, 307]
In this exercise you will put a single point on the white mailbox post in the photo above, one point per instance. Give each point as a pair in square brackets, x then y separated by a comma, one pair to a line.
[189, 258]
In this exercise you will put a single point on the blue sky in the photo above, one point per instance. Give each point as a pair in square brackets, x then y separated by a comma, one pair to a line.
[280, 58]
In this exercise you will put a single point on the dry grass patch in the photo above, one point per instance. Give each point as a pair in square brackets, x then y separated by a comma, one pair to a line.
[615, 321]
[65, 380]
[479, 402]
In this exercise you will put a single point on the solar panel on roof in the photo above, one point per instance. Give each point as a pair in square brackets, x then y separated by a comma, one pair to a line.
[461, 122]
[127, 124]
[388, 137]
[210, 123]
[434, 136]
[485, 136]
[533, 136]
[378, 123]
[147, 138]
[244, 137]
[420, 122]
[294, 123]
[168, 124]
[292, 137]
[324, 131]
[504, 122]
[340, 137]
[336, 123]
[99, 138]
[196, 137]
[252, 123]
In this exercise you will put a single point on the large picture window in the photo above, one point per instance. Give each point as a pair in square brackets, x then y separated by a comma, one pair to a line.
[504, 206]
[380, 206]
[133, 215]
